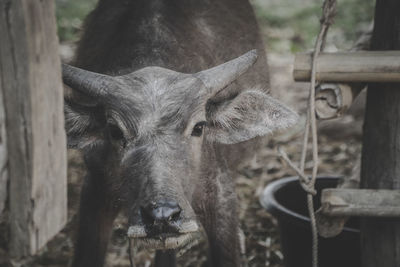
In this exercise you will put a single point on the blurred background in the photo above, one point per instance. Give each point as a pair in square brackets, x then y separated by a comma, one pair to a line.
[288, 27]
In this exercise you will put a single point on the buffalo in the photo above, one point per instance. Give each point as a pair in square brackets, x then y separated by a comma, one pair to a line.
[165, 99]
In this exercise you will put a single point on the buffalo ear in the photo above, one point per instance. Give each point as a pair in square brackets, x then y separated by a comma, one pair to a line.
[84, 120]
[250, 114]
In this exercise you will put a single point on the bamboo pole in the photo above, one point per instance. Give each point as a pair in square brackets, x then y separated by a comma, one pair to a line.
[360, 202]
[334, 99]
[357, 66]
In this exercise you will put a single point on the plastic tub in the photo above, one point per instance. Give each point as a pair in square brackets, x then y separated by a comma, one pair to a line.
[286, 200]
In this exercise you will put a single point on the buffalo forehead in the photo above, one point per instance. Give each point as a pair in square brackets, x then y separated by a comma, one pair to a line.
[164, 98]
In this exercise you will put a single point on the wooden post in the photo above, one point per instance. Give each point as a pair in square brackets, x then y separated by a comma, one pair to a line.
[33, 101]
[380, 237]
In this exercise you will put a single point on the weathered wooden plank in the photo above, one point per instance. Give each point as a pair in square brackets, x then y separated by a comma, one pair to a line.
[32, 89]
[356, 66]
[380, 237]
[360, 202]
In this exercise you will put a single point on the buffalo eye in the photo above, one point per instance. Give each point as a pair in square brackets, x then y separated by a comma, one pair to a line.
[115, 132]
[198, 129]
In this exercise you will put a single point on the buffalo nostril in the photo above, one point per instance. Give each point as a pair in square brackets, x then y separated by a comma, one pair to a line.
[164, 211]
[171, 213]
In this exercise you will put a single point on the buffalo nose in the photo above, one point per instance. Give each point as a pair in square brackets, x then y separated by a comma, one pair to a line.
[161, 212]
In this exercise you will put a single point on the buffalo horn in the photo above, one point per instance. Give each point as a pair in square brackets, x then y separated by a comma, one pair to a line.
[90, 83]
[217, 78]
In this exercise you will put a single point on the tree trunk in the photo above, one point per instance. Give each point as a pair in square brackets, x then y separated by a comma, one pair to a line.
[381, 144]
[31, 87]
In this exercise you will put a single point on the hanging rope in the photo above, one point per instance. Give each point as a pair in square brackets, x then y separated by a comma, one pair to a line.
[328, 14]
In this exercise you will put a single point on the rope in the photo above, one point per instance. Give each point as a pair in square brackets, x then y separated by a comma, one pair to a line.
[328, 14]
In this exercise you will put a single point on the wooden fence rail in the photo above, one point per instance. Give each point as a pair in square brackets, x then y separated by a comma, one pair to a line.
[355, 66]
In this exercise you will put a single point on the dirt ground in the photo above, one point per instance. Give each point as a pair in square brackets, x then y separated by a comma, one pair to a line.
[339, 142]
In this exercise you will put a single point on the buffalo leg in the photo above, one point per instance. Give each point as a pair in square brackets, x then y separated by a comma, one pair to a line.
[224, 247]
[165, 258]
[222, 232]
[96, 216]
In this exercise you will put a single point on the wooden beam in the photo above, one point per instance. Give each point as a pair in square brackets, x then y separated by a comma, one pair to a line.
[358, 66]
[360, 202]
[33, 96]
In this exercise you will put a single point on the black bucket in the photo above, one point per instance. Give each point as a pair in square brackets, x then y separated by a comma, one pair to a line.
[286, 200]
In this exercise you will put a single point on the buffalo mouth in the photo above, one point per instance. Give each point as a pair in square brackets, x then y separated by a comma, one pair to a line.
[186, 236]
[166, 242]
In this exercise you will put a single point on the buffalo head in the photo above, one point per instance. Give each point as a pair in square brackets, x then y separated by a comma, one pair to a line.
[151, 135]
